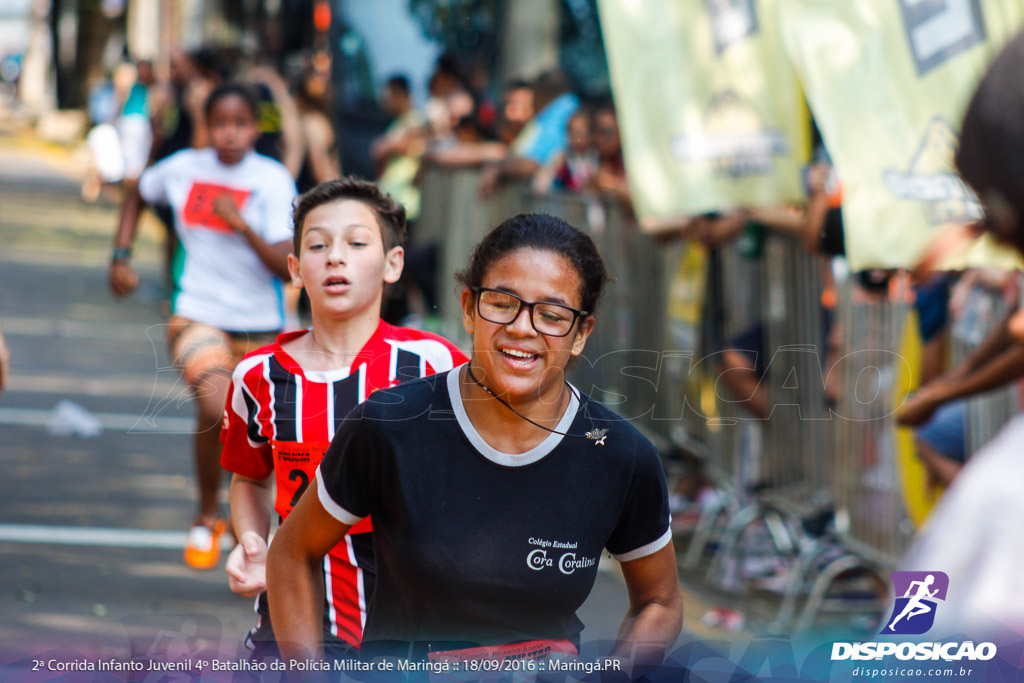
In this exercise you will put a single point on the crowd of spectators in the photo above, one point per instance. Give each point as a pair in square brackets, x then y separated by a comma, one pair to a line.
[535, 133]
[538, 133]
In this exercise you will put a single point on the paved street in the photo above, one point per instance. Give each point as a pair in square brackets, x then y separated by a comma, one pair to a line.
[91, 529]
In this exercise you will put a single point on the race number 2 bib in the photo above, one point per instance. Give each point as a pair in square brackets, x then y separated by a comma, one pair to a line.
[294, 468]
[199, 205]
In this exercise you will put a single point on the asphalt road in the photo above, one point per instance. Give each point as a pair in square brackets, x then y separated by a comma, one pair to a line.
[91, 528]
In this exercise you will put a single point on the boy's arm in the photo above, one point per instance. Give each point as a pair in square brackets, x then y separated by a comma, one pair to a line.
[250, 501]
[274, 256]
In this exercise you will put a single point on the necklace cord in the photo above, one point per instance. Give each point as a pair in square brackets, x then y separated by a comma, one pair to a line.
[579, 400]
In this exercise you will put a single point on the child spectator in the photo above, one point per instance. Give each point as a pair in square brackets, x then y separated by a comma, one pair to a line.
[574, 169]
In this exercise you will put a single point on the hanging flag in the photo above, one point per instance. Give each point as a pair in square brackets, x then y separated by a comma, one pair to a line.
[709, 109]
[888, 82]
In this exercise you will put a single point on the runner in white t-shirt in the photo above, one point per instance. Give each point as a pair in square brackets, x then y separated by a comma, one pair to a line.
[233, 216]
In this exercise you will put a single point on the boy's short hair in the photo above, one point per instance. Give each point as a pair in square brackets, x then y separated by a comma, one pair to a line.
[390, 214]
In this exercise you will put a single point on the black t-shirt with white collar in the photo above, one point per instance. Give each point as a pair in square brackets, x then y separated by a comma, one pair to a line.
[475, 546]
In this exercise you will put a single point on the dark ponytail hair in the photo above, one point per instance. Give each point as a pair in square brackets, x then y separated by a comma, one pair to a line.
[992, 134]
[543, 233]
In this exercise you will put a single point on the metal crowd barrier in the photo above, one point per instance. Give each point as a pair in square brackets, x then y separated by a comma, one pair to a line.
[452, 215]
[787, 469]
[871, 524]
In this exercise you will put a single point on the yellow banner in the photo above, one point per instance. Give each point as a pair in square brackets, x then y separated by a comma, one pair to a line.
[888, 82]
[710, 112]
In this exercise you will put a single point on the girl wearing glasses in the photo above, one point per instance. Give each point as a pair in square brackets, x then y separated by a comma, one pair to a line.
[494, 488]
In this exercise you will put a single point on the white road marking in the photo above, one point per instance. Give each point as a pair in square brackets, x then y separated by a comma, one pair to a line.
[92, 536]
[130, 386]
[126, 422]
[84, 329]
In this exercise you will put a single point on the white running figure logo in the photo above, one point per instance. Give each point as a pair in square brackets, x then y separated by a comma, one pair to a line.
[914, 606]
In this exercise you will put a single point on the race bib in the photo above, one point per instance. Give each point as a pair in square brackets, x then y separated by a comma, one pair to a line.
[294, 467]
[199, 205]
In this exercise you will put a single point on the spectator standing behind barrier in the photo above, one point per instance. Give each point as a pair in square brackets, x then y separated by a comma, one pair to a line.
[818, 225]
[471, 148]
[280, 128]
[610, 179]
[574, 168]
[973, 535]
[938, 408]
[320, 161]
[449, 99]
[397, 152]
[540, 139]
[506, 565]
[742, 363]
[233, 216]
[516, 110]
[941, 443]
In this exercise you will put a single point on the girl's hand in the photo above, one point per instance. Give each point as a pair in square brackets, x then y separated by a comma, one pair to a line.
[225, 207]
[122, 279]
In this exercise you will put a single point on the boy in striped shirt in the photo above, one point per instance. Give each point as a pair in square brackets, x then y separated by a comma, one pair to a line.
[287, 398]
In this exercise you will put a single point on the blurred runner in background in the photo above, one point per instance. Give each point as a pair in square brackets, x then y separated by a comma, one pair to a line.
[233, 216]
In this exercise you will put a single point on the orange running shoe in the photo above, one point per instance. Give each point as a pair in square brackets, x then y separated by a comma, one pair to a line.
[202, 549]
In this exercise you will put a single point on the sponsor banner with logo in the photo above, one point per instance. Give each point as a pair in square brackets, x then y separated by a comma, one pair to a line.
[710, 111]
[888, 82]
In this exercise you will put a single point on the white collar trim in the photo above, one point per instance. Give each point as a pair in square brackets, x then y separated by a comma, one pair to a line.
[508, 459]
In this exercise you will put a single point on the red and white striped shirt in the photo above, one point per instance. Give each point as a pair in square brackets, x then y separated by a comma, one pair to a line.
[279, 419]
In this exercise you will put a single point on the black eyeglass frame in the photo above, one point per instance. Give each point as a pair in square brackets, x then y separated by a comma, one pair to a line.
[576, 313]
